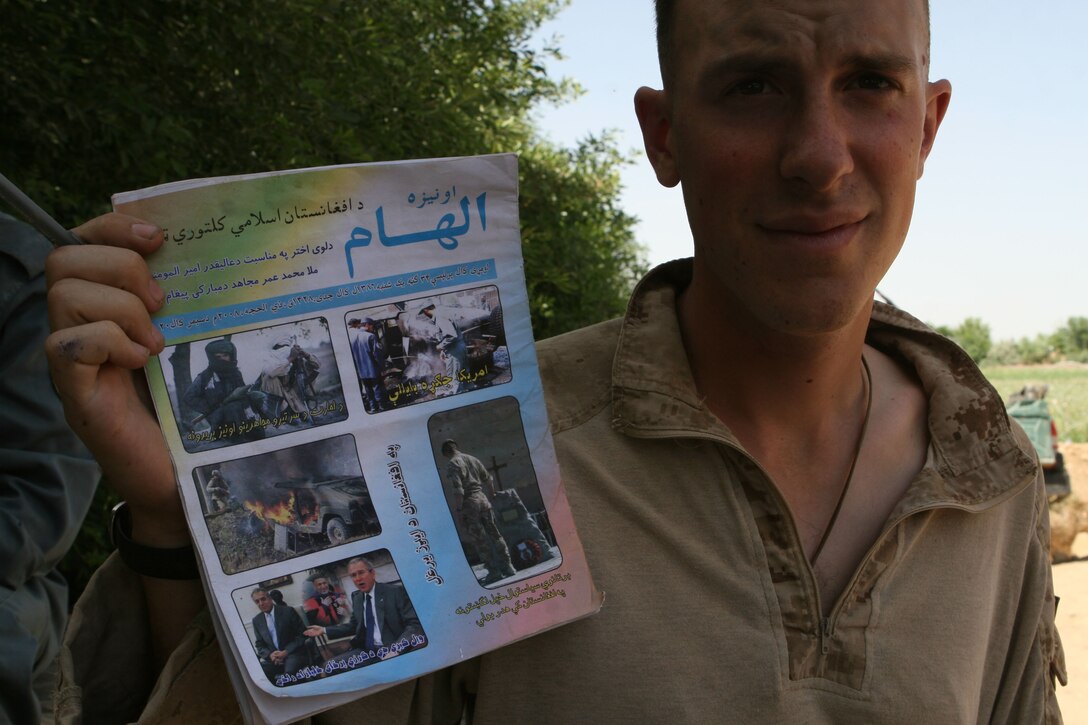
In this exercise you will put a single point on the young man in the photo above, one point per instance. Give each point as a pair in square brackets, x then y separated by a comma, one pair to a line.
[802, 508]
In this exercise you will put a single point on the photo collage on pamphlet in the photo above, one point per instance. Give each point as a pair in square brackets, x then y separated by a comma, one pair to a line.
[350, 393]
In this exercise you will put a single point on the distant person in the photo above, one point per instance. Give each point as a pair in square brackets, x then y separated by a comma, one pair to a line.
[47, 481]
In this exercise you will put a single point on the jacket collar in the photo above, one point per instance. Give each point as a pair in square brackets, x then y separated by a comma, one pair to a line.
[975, 457]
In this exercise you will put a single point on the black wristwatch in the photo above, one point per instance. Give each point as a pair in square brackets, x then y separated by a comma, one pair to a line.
[178, 563]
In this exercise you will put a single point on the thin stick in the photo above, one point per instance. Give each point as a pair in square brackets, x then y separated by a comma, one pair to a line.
[34, 214]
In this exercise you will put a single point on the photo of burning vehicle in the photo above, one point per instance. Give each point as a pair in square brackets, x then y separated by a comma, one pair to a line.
[279, 505]
[430, 347]
[253, 385]
[491, 488]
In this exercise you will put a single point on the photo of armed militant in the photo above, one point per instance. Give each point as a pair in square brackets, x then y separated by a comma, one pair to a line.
[256, 384]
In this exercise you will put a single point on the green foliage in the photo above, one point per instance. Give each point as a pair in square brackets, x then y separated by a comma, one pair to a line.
[1072, 339]
[973, 335]
[1025, 351]
[1004, 352]
[572, 283]
[104, 96]
[1034, 350]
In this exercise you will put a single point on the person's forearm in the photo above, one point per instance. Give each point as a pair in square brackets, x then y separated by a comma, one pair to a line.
[171, 604]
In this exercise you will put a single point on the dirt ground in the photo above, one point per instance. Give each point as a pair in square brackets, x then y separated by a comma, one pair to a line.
[1071, 585]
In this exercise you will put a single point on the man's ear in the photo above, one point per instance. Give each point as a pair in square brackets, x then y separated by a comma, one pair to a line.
[652, 109]
[938, 94]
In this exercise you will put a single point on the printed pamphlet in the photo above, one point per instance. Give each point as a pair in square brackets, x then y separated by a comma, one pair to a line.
[350, 394]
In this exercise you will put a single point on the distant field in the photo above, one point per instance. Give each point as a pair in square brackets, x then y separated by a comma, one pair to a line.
[1068, 396]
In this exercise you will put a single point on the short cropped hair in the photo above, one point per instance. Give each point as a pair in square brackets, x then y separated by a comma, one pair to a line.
[664, 11]
[363, 560]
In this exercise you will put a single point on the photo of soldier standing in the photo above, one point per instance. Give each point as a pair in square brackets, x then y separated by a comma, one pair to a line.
[473, 490]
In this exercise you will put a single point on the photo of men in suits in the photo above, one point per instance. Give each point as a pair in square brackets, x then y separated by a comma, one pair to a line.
[278, 633]
[383, 621]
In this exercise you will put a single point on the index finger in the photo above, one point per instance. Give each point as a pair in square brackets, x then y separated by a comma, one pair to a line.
[121, 230]
[130, 238]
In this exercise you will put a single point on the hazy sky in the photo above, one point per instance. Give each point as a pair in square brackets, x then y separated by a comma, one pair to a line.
[999, 228]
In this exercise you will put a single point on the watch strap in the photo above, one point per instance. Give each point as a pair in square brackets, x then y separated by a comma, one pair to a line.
[175, 563]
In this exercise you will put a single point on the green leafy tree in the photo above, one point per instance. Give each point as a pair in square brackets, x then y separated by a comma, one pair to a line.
[103, 96]
[1072, 339]
[973, 335]
[1034, 350]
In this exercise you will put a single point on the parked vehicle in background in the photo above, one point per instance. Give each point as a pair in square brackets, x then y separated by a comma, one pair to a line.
[1029, 408]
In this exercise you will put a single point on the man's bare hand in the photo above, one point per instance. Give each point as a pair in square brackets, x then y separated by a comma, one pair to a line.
[101, 296]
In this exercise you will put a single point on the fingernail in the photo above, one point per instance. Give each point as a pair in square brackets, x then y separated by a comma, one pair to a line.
[156, 292]
[145, 231]
[160, 338]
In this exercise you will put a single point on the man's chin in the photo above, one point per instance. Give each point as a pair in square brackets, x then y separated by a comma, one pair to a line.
[820, 318]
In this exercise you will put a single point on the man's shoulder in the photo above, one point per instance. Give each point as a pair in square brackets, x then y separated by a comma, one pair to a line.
[391, 593]
[576, 371]
[969, 431]
[388, 588]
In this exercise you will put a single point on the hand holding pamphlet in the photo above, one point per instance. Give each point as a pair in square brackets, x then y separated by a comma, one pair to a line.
[350, 394]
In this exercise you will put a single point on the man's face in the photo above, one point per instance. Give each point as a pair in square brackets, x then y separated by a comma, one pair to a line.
[322, 586]
[263, 601]
[798, 130]
[362, 576]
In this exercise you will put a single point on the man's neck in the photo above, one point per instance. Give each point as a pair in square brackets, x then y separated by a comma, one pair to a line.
[798, 405]
[767, 385]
